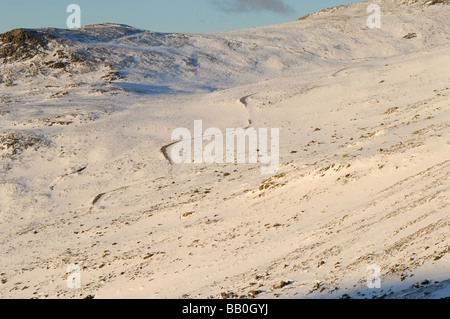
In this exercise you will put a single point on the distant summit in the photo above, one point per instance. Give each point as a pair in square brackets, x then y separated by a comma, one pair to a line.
[114, 52]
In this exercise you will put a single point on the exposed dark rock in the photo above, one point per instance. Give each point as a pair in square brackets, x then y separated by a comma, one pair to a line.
[434, 2]
[410, 36]
[12, 144]
[56, 64]
[113, 76]
[282, 285]
[21, 44]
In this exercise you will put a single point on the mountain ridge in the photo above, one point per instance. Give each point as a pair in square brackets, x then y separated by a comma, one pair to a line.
[165, 58]
[88, 183]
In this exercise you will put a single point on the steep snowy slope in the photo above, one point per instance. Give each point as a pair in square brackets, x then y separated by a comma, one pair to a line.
[85, 117]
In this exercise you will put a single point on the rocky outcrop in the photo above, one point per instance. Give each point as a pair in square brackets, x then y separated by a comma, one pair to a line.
[21, 44]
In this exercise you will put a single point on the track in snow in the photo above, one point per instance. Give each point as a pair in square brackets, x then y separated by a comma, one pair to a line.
[164, 149]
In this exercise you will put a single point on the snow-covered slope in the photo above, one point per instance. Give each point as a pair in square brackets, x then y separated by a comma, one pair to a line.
[364, 151]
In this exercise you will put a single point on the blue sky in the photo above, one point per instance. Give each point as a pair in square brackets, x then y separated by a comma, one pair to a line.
[189, 16]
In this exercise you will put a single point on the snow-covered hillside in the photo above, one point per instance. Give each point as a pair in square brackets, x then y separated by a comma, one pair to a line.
[86, 118]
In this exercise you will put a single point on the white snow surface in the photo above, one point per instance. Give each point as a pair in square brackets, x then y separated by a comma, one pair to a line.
[364, 150]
